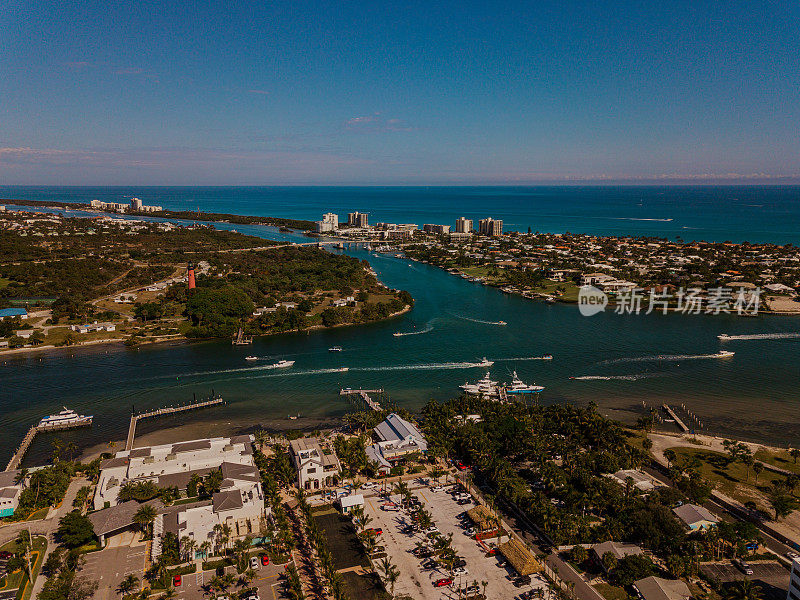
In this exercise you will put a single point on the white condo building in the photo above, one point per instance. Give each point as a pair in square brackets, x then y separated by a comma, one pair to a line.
[490, 227]
[330, 222]
[463, 225]
[239, 503]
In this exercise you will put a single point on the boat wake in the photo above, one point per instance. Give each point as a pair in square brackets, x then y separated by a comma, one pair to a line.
[760, 336]
[543, 357]
[501, 323]
[617, 377]
[641, 219]
[427, 329]
[424, 367]
[661, 357]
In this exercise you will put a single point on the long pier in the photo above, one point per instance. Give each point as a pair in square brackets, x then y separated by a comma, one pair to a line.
[677, 419]
[364, 394]
[166, 411]
[16, 459]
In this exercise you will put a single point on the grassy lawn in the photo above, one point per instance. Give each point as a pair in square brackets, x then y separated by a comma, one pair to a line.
[19, 579]
[732, 479]
[611, 592]
[363, 587]
[4, 282]
[782, 459]
[38, 514]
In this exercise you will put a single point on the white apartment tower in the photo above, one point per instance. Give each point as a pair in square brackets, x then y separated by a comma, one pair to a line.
[490, 227]
[463, 225]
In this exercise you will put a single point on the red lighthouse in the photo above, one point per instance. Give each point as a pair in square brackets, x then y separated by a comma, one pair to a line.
[190, 276]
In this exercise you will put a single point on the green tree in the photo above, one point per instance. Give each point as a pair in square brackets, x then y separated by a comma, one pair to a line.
[74, 530]
[127, 585]
[144, 518]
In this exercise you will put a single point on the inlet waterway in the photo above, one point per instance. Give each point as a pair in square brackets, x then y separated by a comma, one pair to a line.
[616, 361]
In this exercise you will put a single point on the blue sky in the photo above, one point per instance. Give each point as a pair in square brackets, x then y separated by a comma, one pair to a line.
[398, 93]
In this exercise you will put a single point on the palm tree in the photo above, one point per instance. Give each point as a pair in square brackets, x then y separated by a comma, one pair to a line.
[401, 488]
[127, 585]
[743, 590]
[390, 573]
[144, 518]
[794, 452]
[19, 478]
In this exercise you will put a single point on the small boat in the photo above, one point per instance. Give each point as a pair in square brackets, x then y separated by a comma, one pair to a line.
[485, 362]
[723, 336]
[342, 369]
[283, 364]
[547, 357]
[294, 417]
[502, 323]
[724, 354]
[335, 349]
[251, 358]
[550, 300]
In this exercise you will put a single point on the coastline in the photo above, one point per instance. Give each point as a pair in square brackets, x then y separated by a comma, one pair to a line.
[180, 339]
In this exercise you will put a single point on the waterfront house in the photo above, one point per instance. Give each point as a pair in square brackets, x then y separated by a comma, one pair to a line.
[9, 492]
[317, 467]
[695, 517]
[395, 438]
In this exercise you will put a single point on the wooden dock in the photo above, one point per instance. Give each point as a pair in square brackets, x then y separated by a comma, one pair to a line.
[166, 411]
[16, 459]
[364, 395]
[677, 419]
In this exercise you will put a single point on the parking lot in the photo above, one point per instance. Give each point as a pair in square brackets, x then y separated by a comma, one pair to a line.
[419, 583]
[772, 576]
[110, 566]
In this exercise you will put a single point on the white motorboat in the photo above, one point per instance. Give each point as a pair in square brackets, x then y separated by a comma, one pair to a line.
[335, 349]
[724, 354]
[283, 364]
[485, 362]
[251, 358]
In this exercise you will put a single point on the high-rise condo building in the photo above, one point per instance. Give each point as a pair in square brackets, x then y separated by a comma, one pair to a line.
[463, 225]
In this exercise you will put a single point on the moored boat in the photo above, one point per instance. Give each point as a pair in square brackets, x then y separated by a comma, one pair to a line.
[65, 418]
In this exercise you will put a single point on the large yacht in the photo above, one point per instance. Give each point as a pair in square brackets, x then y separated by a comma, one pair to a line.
[66, 417]
[484, 387]
[519, 387]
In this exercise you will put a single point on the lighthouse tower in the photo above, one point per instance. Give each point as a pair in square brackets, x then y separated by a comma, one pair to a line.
[190, 276]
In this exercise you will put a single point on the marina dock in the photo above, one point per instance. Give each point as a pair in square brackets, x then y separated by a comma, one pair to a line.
[365, 396]
[674, 416]
[166, 411]
[16, 459]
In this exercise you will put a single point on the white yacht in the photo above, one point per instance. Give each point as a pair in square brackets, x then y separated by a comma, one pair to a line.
[519, 387]
[251, 358]
[485, 362]
[65, 418]
[283, 363]
[484, 387]
[335, 349]
[723, 336]
[724, 354]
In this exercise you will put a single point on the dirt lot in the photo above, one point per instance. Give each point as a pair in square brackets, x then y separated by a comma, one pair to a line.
[343, 543]
[416, 582]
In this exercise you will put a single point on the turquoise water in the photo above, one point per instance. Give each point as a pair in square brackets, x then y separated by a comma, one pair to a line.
[619, 361]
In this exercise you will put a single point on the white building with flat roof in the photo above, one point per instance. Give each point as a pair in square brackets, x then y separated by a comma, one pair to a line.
[167, 465]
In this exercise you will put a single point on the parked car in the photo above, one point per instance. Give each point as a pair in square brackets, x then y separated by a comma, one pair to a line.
[5, 554]
[436, 488]
[429, 564]
[792, 556]
[460, 571]
[390, 507]
[520, 581]
[469, 531]
[471, 589]
[743, 566]
[264, 559]
[176, 581]
[374, 530]
[443, 582]
[464, 501]
[459, 562]
[368, 485]
[254, 563]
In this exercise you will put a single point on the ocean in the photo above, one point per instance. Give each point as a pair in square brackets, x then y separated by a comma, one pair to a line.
[626, 364]
[712, 213]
